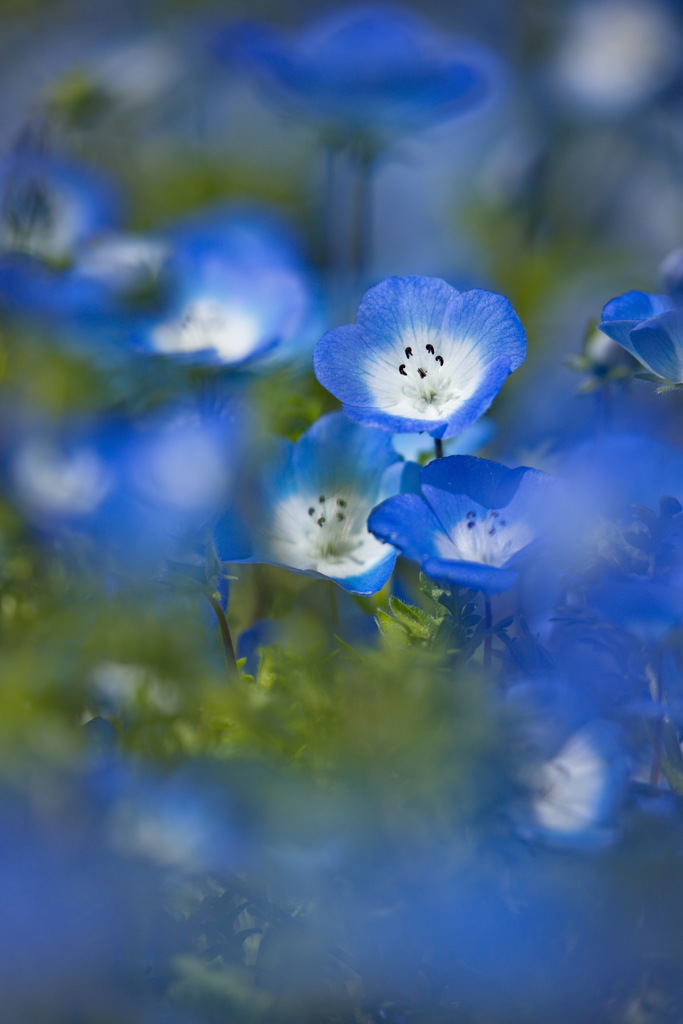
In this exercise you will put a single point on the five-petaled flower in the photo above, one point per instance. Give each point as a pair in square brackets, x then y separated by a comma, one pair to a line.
[470, 522]
[650, 327]
[421, 356]
[365, 69]
[312, 510]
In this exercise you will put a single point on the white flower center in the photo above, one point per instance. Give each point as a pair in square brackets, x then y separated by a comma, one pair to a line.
[427, 376]
[571, 787]
[207, 325]
[487, 537]
[39, 219]
[326, 533]
[56, 482]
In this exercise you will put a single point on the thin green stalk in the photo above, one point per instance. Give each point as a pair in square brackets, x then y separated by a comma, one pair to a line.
[488, 639]
[362, 223]
[228, 646]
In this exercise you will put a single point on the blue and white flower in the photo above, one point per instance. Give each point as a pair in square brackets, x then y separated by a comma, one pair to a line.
[573, 795]
[470, 522]
[312, 512]
[422, 356]
[236, 295]
[650, 327]
[50, 206]
[366, 68]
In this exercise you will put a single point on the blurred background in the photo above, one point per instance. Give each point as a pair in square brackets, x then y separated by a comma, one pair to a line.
[328, 841]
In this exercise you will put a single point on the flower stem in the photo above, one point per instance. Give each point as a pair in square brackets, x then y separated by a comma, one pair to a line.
[488, 639]
[228, 646]
[658, 745]
[438, 448]
[362, 214]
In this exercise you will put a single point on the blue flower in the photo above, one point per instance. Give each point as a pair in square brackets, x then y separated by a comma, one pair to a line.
[647, 607]
[421, 356]
[365, 68]
[470, 521]
[312, 512]
[135, 489]
[650, 327]
[48, 206]
[575, 793]
[239, 293]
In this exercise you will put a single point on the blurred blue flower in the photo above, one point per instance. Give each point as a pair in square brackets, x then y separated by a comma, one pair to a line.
[574, 794]
[312, 515]
[648, 608]
[365, 68]
[238, 292]
[422, 356]
[49, 206]
[617, 56]
[650, 327]
[134, 487]
[470, 522]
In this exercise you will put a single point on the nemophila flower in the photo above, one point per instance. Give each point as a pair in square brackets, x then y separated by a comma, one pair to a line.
[49, 206]
[133, 488]
[573, 795]
[421, 356]
[470, 522]
[365, 69]
[617, 55]
[312, 511]
[650, 327]
[236, 295]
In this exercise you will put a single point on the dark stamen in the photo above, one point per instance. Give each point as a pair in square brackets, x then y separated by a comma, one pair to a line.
[423, 373]
[340, 517]
[311, 511]
[321, 521]
[409, 353]
[430, 349]
[471, 515]
[471, 524]
[321, 498]
[439, 360]
[341, 502]
[402, 369]
[503, 522]
[492, 531]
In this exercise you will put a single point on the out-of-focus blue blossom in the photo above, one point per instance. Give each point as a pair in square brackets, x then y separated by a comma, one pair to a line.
[572, 765]
[470, 522]
[365, 69]
[133, 487]
[71, 904]
[575, 793]
[648, 608]
[185, 822]
[123, 264]
[650, 327]
[617, 55]
[238, 292]
[610, 474]
[313, 512]
[422, 356]
[49, 206]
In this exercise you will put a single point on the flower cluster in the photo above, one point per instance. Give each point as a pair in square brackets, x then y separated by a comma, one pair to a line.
[341, 633]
